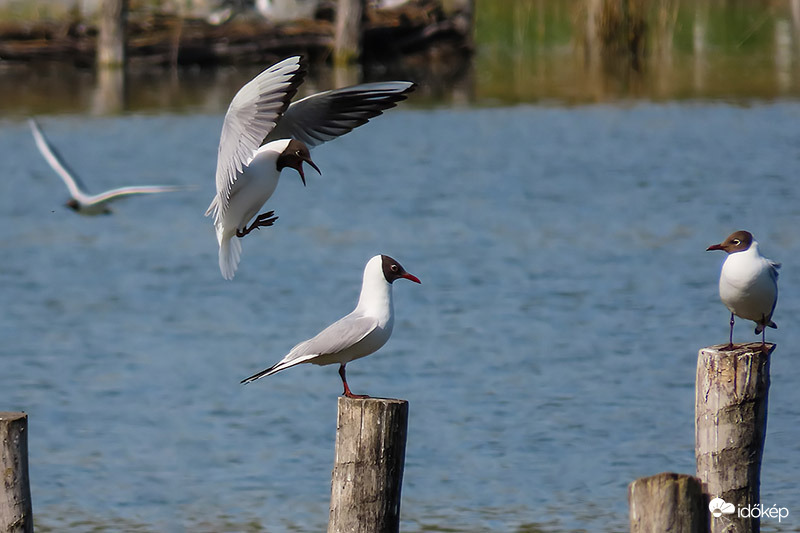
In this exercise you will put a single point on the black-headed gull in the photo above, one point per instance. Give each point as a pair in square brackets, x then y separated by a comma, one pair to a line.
[358, 334]
[262, 134]
[748, 284]
[80, 201]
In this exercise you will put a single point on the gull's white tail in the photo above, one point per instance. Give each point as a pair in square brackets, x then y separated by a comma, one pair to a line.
[230, 247]
[230, 250]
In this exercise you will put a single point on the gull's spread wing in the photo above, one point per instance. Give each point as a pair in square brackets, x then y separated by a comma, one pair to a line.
[324, 116]
[121, 192]
[76, 187]
[252, 114]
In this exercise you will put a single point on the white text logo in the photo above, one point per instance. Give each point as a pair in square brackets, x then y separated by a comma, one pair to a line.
[719, 507]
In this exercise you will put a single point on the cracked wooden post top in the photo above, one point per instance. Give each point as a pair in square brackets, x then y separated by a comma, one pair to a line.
[730, 427]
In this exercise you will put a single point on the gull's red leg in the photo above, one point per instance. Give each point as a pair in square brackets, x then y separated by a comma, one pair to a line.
[346, 388]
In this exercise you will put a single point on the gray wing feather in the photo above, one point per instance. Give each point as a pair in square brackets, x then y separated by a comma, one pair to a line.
[121, 192]
[76, 188]
[335, 338]
[338, 336]
[253, 113]
[773, 270]
[324, 116]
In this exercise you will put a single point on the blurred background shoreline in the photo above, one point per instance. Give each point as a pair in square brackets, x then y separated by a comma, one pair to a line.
[561, 52]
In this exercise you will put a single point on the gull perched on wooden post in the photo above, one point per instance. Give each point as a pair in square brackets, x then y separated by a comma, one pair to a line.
[358, 334]
[748, 283]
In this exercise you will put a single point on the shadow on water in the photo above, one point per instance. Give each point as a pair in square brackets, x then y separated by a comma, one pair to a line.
[560, 52]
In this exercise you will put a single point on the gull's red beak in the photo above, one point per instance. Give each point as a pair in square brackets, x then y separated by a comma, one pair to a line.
[714, 247]
[411, 277]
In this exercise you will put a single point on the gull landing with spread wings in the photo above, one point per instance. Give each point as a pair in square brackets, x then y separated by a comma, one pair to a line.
[263, 133]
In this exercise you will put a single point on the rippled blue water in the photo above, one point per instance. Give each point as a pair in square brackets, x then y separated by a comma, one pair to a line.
[548, 357]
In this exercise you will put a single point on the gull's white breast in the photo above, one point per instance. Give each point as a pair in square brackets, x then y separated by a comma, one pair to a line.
[253, 187]
[747, 285]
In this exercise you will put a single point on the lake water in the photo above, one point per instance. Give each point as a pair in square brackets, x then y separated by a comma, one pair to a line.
[548, 357]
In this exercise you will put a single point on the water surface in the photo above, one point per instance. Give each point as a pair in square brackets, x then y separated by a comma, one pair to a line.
[548, 356]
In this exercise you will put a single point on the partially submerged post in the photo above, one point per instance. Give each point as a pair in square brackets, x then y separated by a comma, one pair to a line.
[730, 426]
[668, 502]
[368, 468]
[349, 26]
[16, 510]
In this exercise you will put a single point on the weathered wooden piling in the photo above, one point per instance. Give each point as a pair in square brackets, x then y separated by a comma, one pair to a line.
[730, 426]
[16, 510]
[111, 36]
[668, 502]
[368, 468]
[348, 30]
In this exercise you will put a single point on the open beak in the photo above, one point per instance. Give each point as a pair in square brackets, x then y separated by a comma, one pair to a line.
[411, 277]
[714, 247]
[300, 169]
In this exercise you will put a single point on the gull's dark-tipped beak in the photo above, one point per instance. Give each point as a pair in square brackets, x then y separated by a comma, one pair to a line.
[714, 247]
[411, 277]
[313, 165]
[293, 156]
[300, 168]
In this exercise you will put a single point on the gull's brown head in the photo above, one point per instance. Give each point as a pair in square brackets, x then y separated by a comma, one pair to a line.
[392, 270]
[736, 242]
[294, 155]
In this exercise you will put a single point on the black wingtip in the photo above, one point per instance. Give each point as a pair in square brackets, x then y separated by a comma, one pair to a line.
[254, 377]
[258, 375]
[251, 379]
[297, 81]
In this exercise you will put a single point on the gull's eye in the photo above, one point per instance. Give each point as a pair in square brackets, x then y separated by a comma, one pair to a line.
[737, 242]
[394, 268]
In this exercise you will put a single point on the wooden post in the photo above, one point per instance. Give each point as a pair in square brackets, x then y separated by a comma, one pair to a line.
[111, 37]
[16, 510]
[730, 427]
[347, 37]
[368, 468]
[668, 502]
